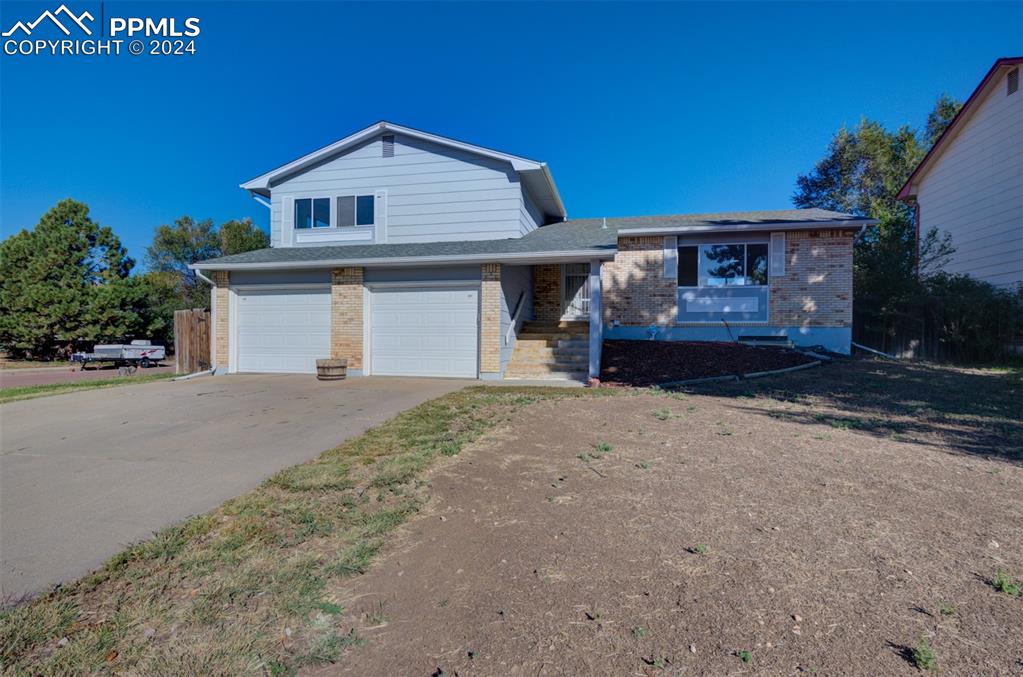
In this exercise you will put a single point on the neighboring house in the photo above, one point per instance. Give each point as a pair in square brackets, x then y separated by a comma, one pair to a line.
[409, 253]
[970, 183]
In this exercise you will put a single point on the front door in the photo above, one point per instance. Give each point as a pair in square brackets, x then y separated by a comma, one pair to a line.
[575, 291]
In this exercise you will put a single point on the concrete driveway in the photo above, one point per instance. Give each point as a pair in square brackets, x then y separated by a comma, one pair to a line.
[85, 474]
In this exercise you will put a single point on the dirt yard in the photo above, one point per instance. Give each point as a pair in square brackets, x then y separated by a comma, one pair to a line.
[828, 522]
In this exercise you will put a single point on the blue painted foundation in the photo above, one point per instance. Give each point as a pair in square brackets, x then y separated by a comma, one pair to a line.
[835, 339]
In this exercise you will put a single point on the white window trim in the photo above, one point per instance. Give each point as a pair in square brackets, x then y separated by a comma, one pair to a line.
[333, 218]
[336, 218]
[312, 213]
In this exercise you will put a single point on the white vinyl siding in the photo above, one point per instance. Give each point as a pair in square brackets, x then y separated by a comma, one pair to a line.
[434, 193]
[419, 331]
[282, 330]
[974, 190]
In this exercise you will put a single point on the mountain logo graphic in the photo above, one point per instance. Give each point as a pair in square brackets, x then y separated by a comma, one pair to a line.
[27, 28]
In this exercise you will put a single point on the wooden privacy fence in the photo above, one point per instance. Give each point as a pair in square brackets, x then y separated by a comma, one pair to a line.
[191, 340]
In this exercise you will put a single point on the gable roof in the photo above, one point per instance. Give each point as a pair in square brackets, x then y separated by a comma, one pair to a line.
[536, 175]
[578, 239]
[908, 191]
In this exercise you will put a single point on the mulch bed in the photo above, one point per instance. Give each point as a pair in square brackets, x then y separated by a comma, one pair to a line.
[646, 363]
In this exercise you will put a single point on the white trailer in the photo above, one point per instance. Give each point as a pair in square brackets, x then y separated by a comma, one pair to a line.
[135, 354]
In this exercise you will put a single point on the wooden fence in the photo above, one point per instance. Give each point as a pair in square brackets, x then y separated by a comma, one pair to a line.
[191, 340]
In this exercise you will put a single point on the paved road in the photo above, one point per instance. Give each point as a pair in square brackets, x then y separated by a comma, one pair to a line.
[15, 378]
[84, 474]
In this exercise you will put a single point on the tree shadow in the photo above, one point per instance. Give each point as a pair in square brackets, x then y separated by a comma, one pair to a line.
[970, 411]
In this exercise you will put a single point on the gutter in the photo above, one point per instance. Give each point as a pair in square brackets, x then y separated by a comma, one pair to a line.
[803, 225]
[522, 257]
[554, 190]
[198, 274]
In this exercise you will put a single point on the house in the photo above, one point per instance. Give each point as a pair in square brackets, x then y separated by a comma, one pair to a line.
[408, 253]
[970, 183]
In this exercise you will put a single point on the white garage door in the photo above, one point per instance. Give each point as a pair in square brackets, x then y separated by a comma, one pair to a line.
[283, 330]
[424, 332]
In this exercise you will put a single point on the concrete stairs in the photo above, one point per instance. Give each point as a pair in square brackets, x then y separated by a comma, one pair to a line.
[551, 350]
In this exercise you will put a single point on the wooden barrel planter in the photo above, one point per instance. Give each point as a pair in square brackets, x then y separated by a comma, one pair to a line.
[331, 370]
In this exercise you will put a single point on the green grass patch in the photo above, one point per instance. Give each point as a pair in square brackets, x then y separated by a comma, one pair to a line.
[1004, 583]
[216, 593]
[30, 392]
[924, 657]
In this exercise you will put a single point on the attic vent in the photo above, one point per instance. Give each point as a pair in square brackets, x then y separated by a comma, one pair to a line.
[389, 145]
[1012, 81]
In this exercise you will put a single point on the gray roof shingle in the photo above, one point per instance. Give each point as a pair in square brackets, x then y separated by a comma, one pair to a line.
[596, 234]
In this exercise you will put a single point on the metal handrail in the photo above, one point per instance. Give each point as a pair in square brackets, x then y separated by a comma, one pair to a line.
[514, 318]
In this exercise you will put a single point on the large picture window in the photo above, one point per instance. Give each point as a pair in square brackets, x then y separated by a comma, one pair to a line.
[312, 212]
[722, 265]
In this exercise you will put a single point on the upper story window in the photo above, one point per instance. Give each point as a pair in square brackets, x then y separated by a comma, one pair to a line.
[355, 210]
[352, 210]
[312, 212]
[722, 265]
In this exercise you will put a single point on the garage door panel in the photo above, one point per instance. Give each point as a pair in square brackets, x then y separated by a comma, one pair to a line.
[425, 332]
[283, 330]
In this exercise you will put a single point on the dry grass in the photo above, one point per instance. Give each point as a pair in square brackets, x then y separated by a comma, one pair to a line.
[243, 589]
[31, 392]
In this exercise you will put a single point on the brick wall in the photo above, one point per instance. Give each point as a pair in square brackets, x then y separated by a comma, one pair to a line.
[346, 315]
[547, 293]
[635, 291]
[490, 319]
[222, 321]
[816, 290]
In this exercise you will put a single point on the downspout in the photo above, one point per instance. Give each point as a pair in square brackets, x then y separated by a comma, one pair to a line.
[596, 333]
[213, 321]
[916, 220]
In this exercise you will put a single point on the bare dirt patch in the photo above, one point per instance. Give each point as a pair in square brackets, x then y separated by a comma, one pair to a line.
[824, 524]
[648, 363]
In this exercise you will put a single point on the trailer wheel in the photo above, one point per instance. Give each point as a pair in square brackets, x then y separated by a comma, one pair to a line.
[145, 363]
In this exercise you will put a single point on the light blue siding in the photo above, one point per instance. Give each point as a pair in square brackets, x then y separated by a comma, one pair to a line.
[272, 277]
[516, 281]
[835, 339]
[433, 193]
[422, 275]
[530, 218]
[712, 304]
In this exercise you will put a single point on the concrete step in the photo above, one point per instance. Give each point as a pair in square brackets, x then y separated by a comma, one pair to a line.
[553, 375]
[552, 336]
[557, 365]
[548, 352]
[547, 326]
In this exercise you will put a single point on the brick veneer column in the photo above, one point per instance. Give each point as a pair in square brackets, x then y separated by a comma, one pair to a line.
[636, 292]
[490, 320]
[222, 320]
[547, 292]
[346, 315]
[816, 289]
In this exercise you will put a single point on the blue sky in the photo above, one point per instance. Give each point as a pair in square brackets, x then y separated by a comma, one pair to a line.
[638, 108]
